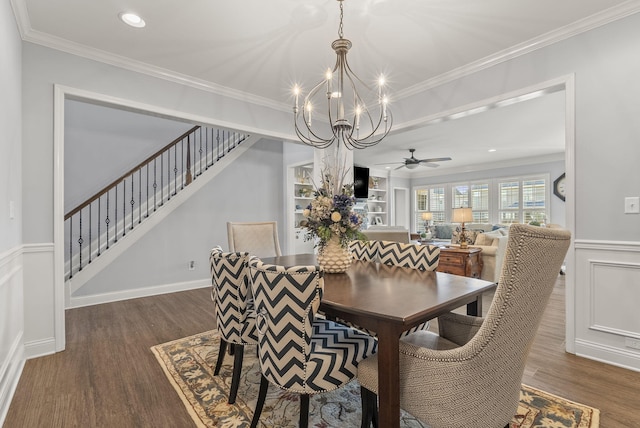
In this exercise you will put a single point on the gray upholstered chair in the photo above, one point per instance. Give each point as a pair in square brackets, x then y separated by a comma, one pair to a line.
[235, 315]
[470, 374]
[260, 239]
[297, 351]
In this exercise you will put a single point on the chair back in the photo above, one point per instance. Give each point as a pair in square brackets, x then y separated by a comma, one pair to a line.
[257, 238]
[286, 299]
[414, 256]
[486, 373]
[231, 294]
[367, 251]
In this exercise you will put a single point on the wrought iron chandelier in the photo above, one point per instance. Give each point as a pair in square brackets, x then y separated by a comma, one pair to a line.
[359, 117]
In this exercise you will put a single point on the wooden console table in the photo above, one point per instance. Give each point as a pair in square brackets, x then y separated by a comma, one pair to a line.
[459, 261]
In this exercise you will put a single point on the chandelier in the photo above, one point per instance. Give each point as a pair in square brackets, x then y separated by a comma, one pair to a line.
[359, 117]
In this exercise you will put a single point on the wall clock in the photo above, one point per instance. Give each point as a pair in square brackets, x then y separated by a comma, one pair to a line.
[559, 187]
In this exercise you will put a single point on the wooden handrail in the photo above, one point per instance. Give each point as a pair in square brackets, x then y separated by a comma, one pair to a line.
[128, 173]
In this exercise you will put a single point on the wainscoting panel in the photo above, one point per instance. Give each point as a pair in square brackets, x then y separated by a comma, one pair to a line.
[606, 302]
[39, 300]
[11, 326]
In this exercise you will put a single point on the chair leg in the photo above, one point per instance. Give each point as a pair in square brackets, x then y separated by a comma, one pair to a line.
[262, 395]
[304, 411]
[237, 369]
[221, 351]
[369, 408]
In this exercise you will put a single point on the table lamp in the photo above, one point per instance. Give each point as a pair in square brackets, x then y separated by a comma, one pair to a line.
[462, 215]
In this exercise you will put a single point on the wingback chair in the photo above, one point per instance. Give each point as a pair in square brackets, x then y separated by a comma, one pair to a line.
[297, 351]
[470, 374]
[235, 315]
[259, 239]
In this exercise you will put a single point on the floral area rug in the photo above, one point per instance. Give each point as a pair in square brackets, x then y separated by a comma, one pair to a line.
[189, 363]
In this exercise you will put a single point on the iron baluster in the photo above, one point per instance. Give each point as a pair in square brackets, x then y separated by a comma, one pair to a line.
[90, 240]
[155, 184]
[175, 170]
[80, 241]
[140, 196]
[107, 221]
[99, 199]
[70, 247]
[132, 202]
[115, 212]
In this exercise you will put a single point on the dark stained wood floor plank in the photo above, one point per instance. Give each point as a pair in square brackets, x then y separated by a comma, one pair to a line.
[108, 377]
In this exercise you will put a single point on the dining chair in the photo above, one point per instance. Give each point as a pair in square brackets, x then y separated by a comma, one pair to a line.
[470, 373]
[297, 351]
[414, 256]
[366, 251]
[257, 238]
[235, 314]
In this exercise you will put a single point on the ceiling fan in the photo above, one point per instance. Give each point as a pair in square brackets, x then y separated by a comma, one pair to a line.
[413, 162]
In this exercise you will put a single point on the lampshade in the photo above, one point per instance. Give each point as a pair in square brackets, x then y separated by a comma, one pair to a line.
[427, 216]
[462, 215]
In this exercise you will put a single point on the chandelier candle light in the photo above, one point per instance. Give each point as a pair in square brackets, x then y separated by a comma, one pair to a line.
[351, 119]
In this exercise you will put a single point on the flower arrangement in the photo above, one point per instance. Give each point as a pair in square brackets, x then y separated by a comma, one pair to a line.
[330, 214]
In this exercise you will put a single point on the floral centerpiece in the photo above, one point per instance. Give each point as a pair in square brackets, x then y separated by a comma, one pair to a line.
[330, 218]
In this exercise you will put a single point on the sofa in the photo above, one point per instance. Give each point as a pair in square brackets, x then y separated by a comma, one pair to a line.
[492, 239]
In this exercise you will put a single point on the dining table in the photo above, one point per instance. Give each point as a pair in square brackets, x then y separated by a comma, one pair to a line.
[390, 300]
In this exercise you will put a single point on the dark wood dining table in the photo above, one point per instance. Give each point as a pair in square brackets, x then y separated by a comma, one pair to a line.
[390, 300]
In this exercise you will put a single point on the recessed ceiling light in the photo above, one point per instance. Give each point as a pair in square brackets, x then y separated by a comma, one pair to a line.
[492, 150]
[387, 167]
[132, 19]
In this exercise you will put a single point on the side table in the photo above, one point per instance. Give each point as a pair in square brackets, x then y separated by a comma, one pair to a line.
[461, 261]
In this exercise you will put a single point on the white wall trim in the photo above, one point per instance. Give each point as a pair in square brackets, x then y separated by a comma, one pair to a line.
[40, 348]
[116, 296]
[624, 246]
[10, 375]
[608, 355]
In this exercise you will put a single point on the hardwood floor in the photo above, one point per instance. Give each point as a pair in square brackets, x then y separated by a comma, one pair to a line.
[108, 376]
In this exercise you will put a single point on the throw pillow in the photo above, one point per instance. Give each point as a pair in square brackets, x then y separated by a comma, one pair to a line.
[470, 236]
[443, 231]
[489, 238]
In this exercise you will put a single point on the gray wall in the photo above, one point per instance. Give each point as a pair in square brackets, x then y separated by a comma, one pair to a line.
[11, 272]
[102, 143]
[10, 130]
[248, 190]
[606, 66]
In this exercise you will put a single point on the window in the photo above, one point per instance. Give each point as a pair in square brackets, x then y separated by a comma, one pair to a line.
[431, 200]
[474, 195]
[504, 201]
[523, 200]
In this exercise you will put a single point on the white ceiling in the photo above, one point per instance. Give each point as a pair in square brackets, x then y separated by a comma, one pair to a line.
[258, 49]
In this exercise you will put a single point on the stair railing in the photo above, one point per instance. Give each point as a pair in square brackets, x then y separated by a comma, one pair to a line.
[96, 224]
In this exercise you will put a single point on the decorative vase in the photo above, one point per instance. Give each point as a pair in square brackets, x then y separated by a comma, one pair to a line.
[333, 258]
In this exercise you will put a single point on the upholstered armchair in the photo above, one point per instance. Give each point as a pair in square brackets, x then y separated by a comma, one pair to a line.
[297, 351]
[259, 239]
[235, 315]
[470, 373]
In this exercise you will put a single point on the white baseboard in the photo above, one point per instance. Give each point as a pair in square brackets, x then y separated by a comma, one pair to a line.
[10, 375]
[40, 348]
[116, 296]
[608, 354]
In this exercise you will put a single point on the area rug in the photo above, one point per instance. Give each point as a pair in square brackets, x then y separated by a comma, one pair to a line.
[189, 363]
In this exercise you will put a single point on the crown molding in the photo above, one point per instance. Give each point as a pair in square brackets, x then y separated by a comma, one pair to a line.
[620, 11]
[581, 26]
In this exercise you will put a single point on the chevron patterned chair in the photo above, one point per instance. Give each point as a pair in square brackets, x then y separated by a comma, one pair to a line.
[297, 351]
[260, 239]
[470, 374]
[413, 256]
[235, 314]
[366, 251]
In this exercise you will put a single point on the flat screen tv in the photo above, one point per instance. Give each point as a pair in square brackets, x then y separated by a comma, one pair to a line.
[360, 182]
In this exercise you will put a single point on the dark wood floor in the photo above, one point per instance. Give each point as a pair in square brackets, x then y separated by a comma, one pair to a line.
[108, 377]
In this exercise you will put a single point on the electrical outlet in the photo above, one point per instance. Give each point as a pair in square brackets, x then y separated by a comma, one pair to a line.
[192, 265]
[632, 205]
[632, 343]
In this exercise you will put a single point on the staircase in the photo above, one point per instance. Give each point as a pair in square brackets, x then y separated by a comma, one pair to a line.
[96, 225]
